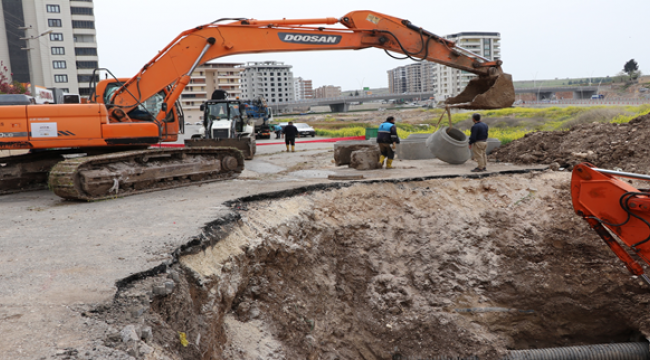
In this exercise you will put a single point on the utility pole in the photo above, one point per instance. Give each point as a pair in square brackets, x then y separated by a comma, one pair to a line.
[32, 88]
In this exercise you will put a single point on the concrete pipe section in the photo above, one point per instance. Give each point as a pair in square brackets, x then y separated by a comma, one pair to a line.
[450, 145]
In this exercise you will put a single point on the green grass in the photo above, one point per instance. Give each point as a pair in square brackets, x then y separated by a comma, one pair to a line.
[508, 124]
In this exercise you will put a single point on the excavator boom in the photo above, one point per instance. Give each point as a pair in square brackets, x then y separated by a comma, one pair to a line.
[173, 65]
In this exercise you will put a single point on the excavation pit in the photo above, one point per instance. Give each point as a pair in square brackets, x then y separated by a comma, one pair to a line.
[435, 269]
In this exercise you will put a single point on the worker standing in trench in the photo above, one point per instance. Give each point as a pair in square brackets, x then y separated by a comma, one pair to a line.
[478, 143]
[387, 139]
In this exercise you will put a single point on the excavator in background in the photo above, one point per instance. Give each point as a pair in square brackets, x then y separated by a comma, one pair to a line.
[228, 123]
[102, 149]
[613, 206]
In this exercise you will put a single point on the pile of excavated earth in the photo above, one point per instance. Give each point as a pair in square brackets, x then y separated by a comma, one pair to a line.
[606, 145]
[462, 267]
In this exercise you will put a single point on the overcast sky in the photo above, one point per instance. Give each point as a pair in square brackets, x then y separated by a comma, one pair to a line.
[539, 39]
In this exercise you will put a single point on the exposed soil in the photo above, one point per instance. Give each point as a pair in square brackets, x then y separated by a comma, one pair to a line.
[605, 145]
[404, 270]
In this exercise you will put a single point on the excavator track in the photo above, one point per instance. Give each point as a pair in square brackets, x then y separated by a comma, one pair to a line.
[26, 172]
[137, 172]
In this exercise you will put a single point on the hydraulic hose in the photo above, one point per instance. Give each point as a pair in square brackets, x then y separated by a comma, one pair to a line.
[622, 351]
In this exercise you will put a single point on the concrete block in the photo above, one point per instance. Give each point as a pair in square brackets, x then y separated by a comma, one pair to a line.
[422, 137]
[492, 144]
[365, 159]
[343, 150]
[414, 149]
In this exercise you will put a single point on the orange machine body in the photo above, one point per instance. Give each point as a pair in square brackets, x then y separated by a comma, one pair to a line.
[68, 125]
[605, 201]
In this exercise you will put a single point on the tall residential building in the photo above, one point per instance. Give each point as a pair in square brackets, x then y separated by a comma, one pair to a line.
[64, 57]
[272, 80]
[442, 80]
[327, 91]
[303, 89]
[449, 82]
[204, 80]
[415, 77]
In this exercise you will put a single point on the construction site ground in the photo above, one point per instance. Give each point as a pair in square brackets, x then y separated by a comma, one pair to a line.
[427, 259]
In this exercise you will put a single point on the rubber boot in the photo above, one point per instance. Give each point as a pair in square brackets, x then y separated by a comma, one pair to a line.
[381, 161]
[293, 148]
[389, 162]
[287, 148]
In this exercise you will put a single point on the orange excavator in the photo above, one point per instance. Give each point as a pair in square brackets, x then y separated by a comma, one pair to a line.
[613, 206]
[101, 149]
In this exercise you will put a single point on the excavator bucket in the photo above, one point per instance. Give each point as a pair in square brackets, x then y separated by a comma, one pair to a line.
[485, 93]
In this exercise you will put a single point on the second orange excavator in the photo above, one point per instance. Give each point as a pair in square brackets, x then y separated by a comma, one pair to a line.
[101, 149]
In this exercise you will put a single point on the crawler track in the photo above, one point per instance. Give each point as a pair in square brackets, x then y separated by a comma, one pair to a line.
[136, 172]
[26, 172]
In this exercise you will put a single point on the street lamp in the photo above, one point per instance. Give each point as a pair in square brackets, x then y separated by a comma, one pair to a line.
[29, 58]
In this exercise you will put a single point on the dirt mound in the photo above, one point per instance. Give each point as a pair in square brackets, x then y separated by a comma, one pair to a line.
[448, 267]
[605, 145]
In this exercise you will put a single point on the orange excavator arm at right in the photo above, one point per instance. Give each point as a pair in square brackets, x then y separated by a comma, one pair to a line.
[612, 206]
[172, 66]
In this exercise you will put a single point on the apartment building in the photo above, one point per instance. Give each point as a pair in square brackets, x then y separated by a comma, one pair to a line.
[416, 77]
[272, 80]
[303, 89]
[61, 42]
[442, 80]
[327, 91]
[204, 80]
[449, 82]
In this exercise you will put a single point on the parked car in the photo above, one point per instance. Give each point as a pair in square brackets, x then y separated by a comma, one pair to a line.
[198, 123]
[188, 123]
[305, 130]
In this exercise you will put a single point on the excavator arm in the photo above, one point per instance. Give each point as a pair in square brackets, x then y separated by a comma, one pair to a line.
[171, 68]
[612, 206]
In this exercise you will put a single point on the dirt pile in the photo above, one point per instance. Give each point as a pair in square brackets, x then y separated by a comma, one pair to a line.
[605, 145]
[453, 267]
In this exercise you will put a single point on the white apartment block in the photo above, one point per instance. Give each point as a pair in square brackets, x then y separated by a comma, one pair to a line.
[204, 80]
[442, 80]
[62, 42]
[449, 82]
[272, 80]
[303, 89]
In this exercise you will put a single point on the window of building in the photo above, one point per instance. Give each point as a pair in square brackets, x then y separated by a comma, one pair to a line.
[81, 11]
[82, 24]
[59, 64]
[60, 78]
[84, 38]
[87, 65]
[56, 37]
[54, 22]
[86, 78]
[65, 90]
[85, 51]
[53, 8]
[58, 51]
[85, 91]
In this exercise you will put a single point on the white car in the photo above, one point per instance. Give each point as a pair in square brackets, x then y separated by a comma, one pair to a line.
[188, 123]
[305, 130]
[198, 123]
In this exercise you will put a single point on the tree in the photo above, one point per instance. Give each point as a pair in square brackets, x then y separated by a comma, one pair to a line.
[631, 67]
[7, 86]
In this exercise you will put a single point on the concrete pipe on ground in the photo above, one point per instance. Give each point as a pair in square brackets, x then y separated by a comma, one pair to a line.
[449, 145]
